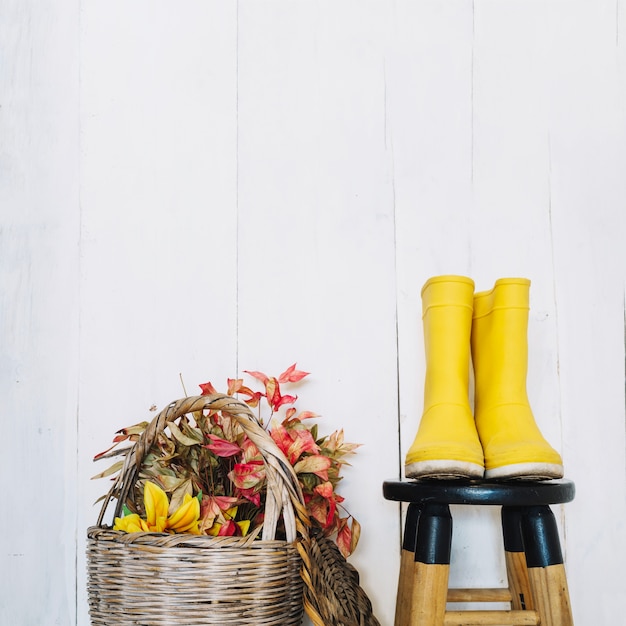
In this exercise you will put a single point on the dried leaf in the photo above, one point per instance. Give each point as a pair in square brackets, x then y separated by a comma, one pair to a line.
[180, 436]
[116, 467]
[344, 539]
[356, 535]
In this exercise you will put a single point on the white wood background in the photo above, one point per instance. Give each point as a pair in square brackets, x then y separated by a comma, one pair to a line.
[206, 186]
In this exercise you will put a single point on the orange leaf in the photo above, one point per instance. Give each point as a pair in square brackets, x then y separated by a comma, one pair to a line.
[207, 389]
[234, 385]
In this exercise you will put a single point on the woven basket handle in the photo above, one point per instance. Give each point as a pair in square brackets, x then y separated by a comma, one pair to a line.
[283, 490]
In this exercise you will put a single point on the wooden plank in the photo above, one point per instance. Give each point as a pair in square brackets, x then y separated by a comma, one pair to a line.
[316, 239]
[159, 189]
[517, 575]
[428, 601]
[551, 595]
[487, 594]
[39, 231]
[491, 618]
[588, 161]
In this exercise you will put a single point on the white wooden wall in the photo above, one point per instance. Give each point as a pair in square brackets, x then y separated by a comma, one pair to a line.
[206, 186]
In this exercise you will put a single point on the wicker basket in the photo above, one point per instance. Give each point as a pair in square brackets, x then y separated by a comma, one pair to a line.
[158, 578]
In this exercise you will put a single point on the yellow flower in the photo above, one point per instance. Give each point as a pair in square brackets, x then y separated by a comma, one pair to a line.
[186, 517]
[131, 524]
[183, 520]
[156, 504]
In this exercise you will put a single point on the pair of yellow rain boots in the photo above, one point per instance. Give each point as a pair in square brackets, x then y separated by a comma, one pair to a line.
[501, 440]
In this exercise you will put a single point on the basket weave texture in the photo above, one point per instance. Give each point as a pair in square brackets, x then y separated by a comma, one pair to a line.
[158, 578]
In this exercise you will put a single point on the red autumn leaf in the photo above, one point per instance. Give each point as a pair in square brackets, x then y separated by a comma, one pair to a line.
[289, 414]
[292, 375]
[222, 447]
[247, 475]
[228, 529]
[251, 494]
[282, 438]
[258, 375]
[325, 490]
[207, 389]
[284, 400]
[302, 441]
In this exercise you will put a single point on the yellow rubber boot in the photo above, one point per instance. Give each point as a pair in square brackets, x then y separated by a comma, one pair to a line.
[513, 445]
[447, 444]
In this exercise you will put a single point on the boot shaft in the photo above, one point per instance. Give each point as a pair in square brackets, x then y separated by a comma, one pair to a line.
[447, 319]
[499, 342]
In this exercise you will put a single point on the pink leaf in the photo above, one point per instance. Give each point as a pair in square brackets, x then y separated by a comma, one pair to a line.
[282, 438]
[302, 441]
[283, 400]
[292, 375]
[222, 447]
[258, 375]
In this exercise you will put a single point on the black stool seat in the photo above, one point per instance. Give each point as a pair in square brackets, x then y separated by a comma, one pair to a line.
[512, 493]
[537, 590]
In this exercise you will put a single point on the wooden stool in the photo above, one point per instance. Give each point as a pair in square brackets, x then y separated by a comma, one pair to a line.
[537, 588]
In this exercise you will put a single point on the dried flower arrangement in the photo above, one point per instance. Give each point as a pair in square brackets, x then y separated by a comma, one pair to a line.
[205, 476]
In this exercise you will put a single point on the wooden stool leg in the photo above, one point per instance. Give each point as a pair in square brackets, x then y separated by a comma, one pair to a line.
[515, 559]
[546, 573]
[407, 566]
[432, 566]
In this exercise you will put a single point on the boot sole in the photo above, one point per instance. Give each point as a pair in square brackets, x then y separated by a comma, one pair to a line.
[443, 469]
[525, 471]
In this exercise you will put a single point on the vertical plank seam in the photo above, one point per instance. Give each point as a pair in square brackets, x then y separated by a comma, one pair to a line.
[79, 316]
[237, 188]
[556, 326]
[472, 61]
[624, 405]
[390, 146]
